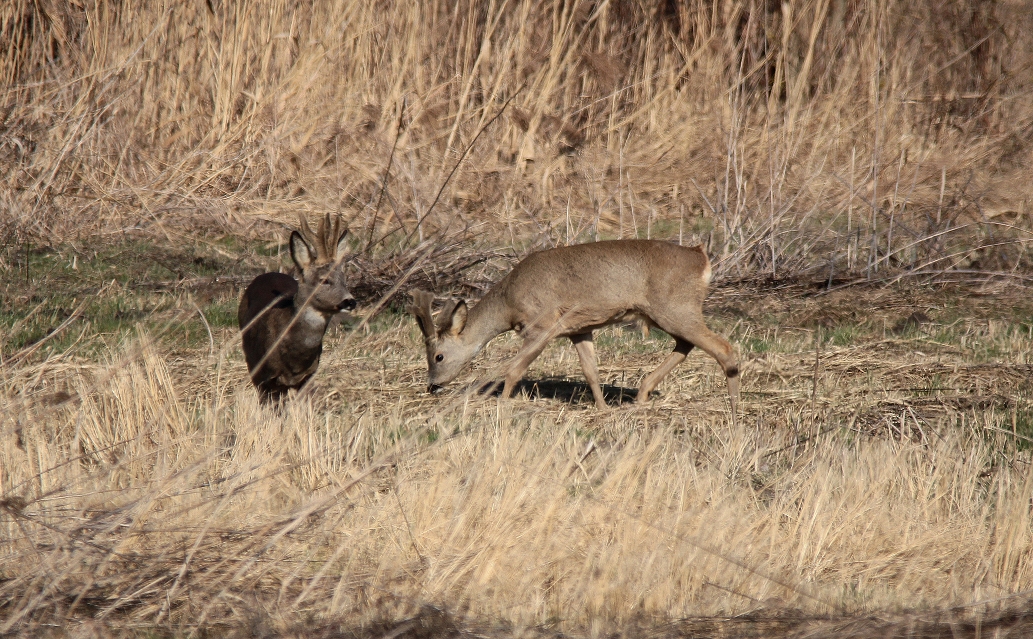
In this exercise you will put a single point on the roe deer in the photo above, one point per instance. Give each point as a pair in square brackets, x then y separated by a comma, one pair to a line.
[570, 292]
[282, 320]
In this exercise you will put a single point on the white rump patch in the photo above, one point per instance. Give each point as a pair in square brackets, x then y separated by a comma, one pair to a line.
[706, 273]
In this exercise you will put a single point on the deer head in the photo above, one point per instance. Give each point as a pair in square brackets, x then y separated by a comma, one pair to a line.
[319, 256]
[448, 348]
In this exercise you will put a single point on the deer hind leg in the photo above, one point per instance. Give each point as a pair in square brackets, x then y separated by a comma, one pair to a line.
[681, 349]
[586, 353]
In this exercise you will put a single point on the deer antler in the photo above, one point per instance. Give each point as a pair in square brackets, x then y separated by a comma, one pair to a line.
[324, 240]
[421, 309]
[337, 229]
[322, 254]
[312, 239]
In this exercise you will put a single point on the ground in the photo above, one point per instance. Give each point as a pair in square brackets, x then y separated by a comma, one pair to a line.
[877, 470]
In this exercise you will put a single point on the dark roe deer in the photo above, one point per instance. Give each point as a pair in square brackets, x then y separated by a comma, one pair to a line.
[283, 320]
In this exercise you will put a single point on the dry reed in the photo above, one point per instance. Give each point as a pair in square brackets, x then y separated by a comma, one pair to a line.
[839, 137]
[873, 488]
[160, 495]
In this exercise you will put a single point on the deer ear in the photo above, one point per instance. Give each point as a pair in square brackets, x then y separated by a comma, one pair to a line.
[301, 252]
[342, 246]
[458, 320]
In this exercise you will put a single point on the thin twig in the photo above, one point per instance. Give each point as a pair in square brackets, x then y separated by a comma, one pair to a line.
[387, 176]
[462, 157]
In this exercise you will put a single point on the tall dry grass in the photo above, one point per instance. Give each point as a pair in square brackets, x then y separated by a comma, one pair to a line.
[839, 140]
[841, 136]
[146, 504]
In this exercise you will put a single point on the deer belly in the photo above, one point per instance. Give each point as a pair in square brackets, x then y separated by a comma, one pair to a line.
[587, 321]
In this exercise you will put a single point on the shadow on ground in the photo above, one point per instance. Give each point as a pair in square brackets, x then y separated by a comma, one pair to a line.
[564, 390]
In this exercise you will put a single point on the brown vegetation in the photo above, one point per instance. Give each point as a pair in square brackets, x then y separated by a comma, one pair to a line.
[841, 135]
[878, 482]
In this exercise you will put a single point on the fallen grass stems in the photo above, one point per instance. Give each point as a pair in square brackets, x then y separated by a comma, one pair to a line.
[858, 173]
[165, 495]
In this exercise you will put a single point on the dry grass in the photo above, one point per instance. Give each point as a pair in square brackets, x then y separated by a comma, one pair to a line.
[881, 486]
[837, 157]
[847, 137]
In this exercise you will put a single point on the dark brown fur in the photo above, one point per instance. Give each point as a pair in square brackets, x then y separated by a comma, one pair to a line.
[283, 320]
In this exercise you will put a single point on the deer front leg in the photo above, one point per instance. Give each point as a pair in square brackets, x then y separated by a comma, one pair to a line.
[533, 346]
[681, 349]
[586, 353]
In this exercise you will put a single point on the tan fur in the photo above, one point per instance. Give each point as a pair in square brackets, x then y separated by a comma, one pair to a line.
[570, 292]
[283, 320]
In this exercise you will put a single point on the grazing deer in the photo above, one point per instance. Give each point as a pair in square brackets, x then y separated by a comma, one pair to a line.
[570, 292]
[282, 320]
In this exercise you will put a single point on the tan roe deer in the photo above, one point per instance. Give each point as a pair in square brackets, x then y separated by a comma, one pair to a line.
[282, 320]
[570, 292]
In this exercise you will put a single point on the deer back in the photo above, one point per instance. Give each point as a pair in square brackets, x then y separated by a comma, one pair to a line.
[595, 284]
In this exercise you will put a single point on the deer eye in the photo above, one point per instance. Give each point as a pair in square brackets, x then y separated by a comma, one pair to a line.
[439, 357]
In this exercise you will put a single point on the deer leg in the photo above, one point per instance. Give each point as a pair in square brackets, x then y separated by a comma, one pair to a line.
[304, 388]
[271, 393]
[719, 348]
[586, 353]
[533, 346]
[696, 333]
[681, 349]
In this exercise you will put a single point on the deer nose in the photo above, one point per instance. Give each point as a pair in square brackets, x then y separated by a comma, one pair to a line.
[434, 389]
[347, 305]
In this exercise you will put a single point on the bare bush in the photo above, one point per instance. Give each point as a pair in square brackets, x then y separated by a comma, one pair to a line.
[828, 136]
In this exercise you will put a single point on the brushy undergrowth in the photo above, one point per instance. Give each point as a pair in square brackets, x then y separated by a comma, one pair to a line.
[841, 137]
[857, 170]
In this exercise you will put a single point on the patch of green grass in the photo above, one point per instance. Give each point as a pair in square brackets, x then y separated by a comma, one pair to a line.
[113, 289]
[1022, 425]
[936, 385]
[628, 339]
[388, 319]
[273, 249]
[984, 341]
[841, 335]
[222, 313]
[756, 345]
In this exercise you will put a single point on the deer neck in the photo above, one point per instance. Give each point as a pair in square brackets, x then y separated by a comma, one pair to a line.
[309, 327]
[488, 319]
